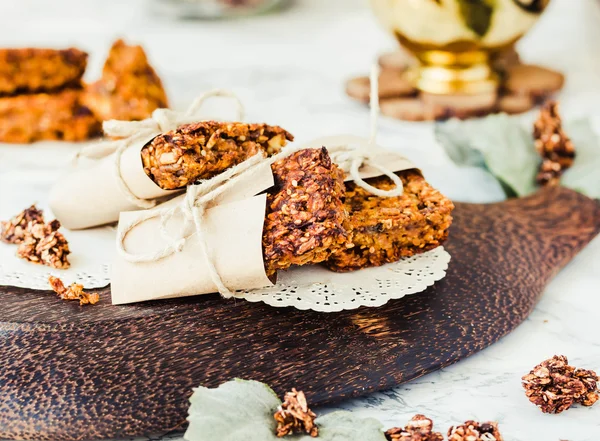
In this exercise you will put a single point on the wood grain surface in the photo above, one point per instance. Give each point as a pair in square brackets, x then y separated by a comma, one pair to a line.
[72, 373]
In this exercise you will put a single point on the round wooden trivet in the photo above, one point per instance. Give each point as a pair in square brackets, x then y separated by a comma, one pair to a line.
[522, 87]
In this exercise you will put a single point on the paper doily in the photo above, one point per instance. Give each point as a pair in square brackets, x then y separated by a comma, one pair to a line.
[339, 291]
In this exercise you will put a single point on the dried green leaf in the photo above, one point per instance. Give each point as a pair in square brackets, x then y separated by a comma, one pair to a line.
[584, 175]
[344, 426]
[497, 143]
[477, 14]
[236, 410]
[243, 410]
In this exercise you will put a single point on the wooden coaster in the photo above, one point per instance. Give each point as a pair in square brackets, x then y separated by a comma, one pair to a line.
[521, 88]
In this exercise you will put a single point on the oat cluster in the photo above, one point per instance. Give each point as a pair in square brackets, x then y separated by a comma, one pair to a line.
[554, 386]
[474, 431]
[419, 428]
[553, 145]
[305, 219]
[73, 292]
[14, 230]
[294, 416]
[199, 151]
[384, 230]
[129, 88]
[37, 241]
[44, 244]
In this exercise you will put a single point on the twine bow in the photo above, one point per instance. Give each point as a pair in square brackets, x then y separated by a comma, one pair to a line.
[133, 132]
[199, 197]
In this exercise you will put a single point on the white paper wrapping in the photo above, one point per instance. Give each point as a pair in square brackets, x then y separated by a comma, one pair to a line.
[90, 195]
[233, 227]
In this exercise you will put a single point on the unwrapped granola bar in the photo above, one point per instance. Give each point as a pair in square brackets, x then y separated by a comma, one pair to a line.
[60, 117]
[44, 244]
[31, 70]
[305, 221]
[202, 150]
[129, 88]
[386, 229]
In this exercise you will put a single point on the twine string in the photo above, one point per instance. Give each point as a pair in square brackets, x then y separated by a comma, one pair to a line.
[199, 197]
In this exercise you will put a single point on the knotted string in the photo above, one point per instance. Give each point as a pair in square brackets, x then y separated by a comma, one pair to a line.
[199, 197]
[134, 132]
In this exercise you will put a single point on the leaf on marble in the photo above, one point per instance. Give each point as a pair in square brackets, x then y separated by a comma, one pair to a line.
[477, 14]
[497, 143]
[241, 409]
[584, 175]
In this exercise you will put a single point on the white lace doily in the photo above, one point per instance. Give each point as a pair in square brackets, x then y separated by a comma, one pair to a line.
[339, 291]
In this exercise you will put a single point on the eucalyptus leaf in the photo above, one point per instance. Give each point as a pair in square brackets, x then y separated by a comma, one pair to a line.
[477, 14]
[236, 410]
[584, 175]
[344, 426]
[497, 143]
[243, 410]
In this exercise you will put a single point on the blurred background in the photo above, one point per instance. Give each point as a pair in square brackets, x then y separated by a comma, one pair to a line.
[289, 64]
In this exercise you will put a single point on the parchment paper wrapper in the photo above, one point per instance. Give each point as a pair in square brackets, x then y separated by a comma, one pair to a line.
[233, 228]
[90, 195]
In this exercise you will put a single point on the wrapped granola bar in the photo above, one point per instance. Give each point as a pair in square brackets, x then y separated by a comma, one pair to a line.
[156, 164]
[249, 234]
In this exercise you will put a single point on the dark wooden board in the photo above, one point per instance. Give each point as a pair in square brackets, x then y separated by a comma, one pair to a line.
[73, 373]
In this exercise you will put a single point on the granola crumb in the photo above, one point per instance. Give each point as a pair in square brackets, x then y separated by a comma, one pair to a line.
[419, 428]
[553, 145]
[474, 431]
[13, 231]
[73, 292]
[294, 416]
[554, 386]
[44, 244]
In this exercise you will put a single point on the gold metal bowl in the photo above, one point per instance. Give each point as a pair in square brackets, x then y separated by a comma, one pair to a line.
[455, 40]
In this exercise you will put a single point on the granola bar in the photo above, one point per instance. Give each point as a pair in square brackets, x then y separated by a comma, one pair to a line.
[14, 230]
[305, 220]
[202, 150]
[61, 117]
[32, 70]
[387, 229]
[129, 88]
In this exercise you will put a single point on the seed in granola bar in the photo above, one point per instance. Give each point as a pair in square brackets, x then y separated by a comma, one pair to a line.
[554, 386]
[294, 416]
[13, 231]
[73, 292]
[419, 428]
[474, 431]
[44, 244]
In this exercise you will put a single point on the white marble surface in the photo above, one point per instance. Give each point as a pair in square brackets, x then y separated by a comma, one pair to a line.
[289, 69]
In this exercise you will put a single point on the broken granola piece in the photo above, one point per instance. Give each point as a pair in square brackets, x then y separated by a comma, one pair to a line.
[386, 229]
[419, 428]
[33, 70]
[294, 416]
[553, 145]
[202, 150]
[73, 292]
[59, 117]
[305, 219]
[43, 244]
[129, 88]
[474, 431]
[554, 386]
[13, 231]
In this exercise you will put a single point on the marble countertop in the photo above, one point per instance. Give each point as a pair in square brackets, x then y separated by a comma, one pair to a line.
[289, 69]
